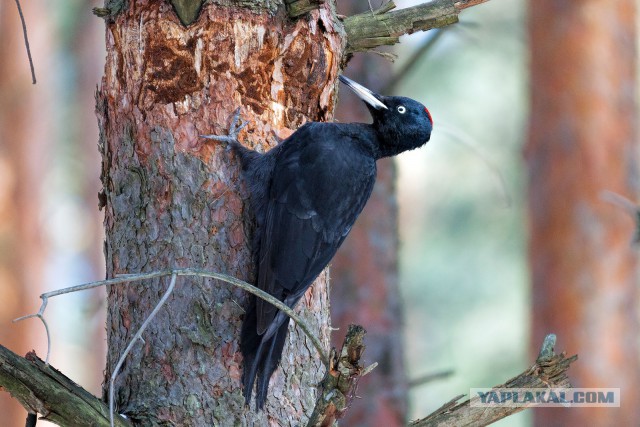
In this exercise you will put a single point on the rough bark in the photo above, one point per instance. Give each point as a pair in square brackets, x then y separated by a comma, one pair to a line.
[364, 276]
[173, 200]
[24, 150]
[582, 141]
[170, 200]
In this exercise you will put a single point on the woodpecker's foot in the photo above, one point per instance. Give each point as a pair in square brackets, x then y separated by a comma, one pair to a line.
[276, 138]
[234, 130]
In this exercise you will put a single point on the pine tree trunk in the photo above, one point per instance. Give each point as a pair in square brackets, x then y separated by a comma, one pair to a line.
[173, 199]
[583, 141]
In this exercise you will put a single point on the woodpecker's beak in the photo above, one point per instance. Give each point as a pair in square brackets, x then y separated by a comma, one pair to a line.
[363, 93]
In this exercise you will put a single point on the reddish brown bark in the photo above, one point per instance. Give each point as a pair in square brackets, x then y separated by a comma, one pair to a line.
[24, 144]
[582, 141]
[173, 199]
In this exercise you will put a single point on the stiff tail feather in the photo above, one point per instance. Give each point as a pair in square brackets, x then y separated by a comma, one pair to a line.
[261, 356]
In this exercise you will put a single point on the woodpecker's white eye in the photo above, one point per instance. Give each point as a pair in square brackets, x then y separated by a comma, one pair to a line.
[402, 110]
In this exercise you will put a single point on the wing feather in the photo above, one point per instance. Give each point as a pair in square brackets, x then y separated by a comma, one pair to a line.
[316, 194]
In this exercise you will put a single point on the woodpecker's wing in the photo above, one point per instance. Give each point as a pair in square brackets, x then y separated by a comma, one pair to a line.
[320, 183]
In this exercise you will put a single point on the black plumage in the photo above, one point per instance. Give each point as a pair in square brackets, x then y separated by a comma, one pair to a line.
[306, 194]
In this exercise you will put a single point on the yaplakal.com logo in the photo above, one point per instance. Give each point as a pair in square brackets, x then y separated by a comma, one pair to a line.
[545, 397]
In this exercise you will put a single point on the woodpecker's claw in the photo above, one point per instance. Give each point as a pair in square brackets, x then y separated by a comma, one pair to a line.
[234, 130]
[236, 118]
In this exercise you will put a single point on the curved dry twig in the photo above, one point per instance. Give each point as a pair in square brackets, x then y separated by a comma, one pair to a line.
[40, 315]
[128, 278]
[136, 337]
[174, 273]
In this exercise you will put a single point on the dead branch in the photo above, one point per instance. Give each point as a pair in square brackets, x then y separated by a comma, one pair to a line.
[339, 385]
[428, 378]
[296, 8]
[128, 279]
[549, 370]
[369, 30]
[42, 389]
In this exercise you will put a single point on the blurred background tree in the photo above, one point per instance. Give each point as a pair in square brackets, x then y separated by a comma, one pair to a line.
[50, 228]
[463, 273]
[22, 170]
[582, 141]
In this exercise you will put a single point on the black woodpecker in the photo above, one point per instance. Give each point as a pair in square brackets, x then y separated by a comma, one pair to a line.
[306, 193]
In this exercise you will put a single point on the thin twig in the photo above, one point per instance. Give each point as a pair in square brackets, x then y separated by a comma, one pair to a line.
[40, 316]
[464, 4]
[389, 56]
[136, 336]
[620, 201]
[26, 42]
[184, 272]
[408, 66]
[422, 380]
[626, 205]
[465, 140]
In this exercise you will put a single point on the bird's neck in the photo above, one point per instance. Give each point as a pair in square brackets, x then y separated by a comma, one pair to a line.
[376, 143]
[365, 137]
[389, 143]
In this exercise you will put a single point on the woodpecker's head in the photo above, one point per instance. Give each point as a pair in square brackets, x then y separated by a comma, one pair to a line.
[402, 123]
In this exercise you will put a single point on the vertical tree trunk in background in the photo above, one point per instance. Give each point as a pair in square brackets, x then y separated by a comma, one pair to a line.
[364, 272]
[24, 145]
[582, 141]
[174, 200]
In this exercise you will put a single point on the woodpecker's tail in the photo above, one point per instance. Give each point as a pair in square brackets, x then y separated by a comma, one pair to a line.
[260, 356]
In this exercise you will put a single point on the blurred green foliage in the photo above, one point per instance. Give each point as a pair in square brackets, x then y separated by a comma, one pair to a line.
[463, 228]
